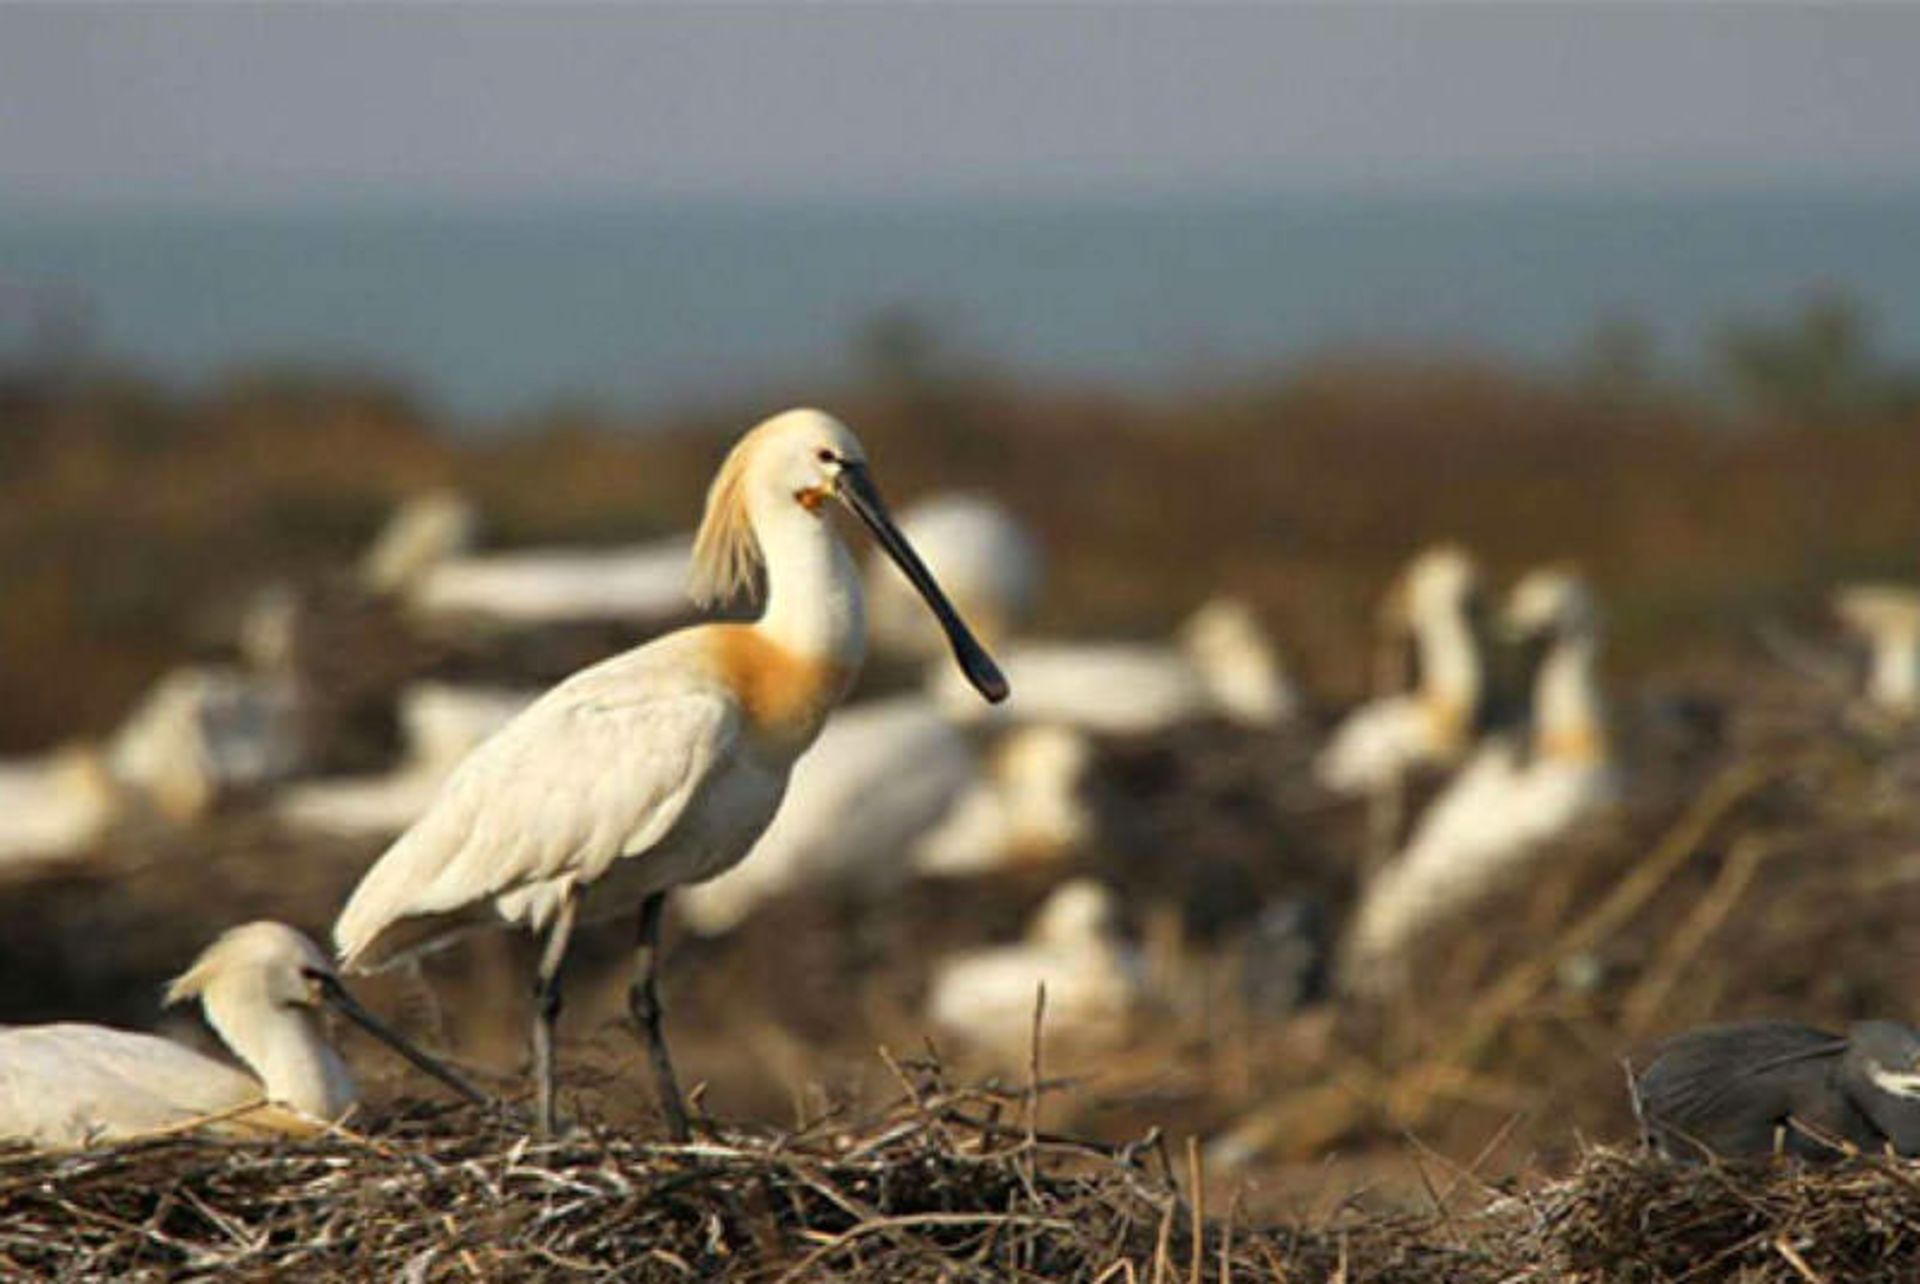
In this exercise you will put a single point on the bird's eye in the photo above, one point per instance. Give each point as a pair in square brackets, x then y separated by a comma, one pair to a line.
[824, 455]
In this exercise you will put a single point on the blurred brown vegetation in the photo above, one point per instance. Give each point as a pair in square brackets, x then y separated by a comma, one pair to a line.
[133, 520]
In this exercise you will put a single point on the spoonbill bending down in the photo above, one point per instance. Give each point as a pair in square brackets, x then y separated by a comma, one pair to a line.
[261, 986]
[660, 766]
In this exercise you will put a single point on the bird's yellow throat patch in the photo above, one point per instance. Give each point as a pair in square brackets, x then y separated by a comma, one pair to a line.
[785, 695]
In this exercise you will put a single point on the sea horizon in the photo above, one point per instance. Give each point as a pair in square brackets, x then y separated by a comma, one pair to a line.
[495, 309]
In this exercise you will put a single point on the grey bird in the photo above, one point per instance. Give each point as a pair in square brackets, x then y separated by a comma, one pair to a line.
[1759, 1088]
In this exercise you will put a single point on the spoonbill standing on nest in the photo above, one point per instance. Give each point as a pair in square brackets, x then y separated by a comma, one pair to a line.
[261, 986]
[660, 766]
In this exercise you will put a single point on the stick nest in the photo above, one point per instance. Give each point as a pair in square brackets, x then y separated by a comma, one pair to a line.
[948, 1187]
[939, 1190]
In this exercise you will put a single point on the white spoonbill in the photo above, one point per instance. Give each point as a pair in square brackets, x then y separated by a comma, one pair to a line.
[203, 730]
[426, 531]
[261, 986]
[983, 557]
[1222, 665]
[425, 557]
[641, 582]
[662, 765]
[986, 998]
[1028, 807]
[54, 807]
[1433, 604]
[1887, 618]
[1518, 793]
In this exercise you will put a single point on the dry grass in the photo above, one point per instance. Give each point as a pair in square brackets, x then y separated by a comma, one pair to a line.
[949, 1185]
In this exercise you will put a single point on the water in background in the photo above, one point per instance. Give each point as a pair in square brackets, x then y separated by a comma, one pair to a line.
[491, 312]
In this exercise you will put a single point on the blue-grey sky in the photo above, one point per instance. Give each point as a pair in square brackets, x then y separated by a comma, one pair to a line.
[286, 102]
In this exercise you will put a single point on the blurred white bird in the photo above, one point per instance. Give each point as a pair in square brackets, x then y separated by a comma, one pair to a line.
[261, 986]
[852, 819]
[880, 777]
[1028, 806]
[1222, 665]
[982, 555]
[1433, 604]
[440, 724]
[202, 731]
[425, 532]
[425, 557]
[642, 583]
[1887, 618]
[663, 765]
[1518, 793]
[54, 807]
[986, 999]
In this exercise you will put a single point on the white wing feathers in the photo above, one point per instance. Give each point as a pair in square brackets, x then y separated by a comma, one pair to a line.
[68, 1084]
[600, 767]
[1375, 744]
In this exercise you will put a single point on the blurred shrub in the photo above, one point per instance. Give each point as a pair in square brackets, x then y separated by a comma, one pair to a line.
[127, 513]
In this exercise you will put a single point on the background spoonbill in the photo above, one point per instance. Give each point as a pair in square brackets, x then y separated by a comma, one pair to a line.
[1222, 665]
[1887, 618]
[261, 986]
[1434, 605]
[985, 558]
[664, 764]
[1518, 793]
[986, 998]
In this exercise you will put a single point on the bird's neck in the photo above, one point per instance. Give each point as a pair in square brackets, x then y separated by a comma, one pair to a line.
[815, 608]
[1569, 720]
[1895, 678]
[1450, 674]
[285, 1048]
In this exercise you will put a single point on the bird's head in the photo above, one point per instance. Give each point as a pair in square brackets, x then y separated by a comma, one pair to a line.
[1888, 1052]
[265, 967]
[1876, 611]
[270, 960]
[1078, 913]
[1549, 603]
[1443, 580]
[800, 460]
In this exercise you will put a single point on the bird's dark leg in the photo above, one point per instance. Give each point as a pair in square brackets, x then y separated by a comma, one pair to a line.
[643, 1000]
[546, 1010]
